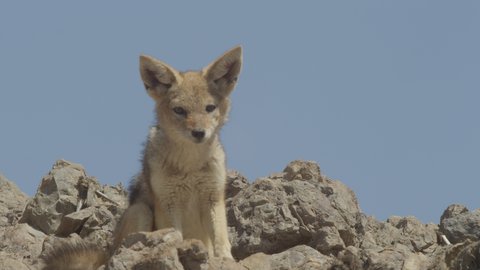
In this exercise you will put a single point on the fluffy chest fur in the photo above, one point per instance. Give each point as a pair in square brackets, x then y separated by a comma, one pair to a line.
[185, 173]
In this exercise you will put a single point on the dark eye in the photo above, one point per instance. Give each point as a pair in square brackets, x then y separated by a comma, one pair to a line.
[210, 108]
[180, 111]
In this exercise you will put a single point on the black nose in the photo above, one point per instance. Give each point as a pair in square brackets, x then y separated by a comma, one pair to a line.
[199, 134]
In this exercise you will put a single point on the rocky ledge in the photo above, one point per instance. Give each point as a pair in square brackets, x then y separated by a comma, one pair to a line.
[296, 219]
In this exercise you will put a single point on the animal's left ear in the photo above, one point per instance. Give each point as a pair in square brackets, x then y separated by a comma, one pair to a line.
[224, 71]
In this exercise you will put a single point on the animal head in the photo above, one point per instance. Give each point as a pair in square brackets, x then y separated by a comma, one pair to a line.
[192, 105]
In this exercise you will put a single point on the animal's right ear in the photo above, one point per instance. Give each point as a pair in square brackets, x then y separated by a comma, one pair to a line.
[157, 76]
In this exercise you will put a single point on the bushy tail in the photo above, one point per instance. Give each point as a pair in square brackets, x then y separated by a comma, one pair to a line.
[75, 255]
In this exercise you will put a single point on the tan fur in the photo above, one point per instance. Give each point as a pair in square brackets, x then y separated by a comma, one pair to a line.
[182, 182]
[75, 255]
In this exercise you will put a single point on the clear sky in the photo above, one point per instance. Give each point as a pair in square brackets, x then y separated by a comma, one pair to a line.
[384, 95]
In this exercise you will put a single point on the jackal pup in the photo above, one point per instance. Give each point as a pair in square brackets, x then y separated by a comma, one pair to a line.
[182, 181]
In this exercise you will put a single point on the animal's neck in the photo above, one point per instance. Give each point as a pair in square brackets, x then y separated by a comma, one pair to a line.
[188, 156]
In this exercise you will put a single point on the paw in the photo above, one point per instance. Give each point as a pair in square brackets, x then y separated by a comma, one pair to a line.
[223, 252]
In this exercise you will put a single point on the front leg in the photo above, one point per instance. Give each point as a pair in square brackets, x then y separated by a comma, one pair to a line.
[168, 215]
[138, 217]
[215, 223]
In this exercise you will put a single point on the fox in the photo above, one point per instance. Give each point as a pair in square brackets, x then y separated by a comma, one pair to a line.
[182, 179]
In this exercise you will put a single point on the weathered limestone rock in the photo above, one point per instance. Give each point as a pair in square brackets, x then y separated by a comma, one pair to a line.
[22, 243]
[406, 231]
[68, 201]
[299, 257]
[296, 219]
[235, 183]
[12, 202]
[458, 224]
[58, 195]
[165, 249]
[289, 209]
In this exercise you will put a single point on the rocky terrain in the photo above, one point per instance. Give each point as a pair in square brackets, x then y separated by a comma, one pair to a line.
[296, 219]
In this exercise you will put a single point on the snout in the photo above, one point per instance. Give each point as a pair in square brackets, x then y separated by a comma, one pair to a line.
[198, 134]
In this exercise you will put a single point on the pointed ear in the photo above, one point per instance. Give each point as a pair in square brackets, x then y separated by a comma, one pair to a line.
[224, 71]
[156, 75]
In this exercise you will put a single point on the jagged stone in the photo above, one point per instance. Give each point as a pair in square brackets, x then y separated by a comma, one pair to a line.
[9, 263]
[296, 219]
[397, 257]
[467, 258]
[58, 195]
[405, 231]
[235, 183]
[148, 250]
[299, 257]
[453, 210]
[193, 254]
[22, 243]
[420, 236]
[458, 224]
[328, 241]
[302, 170]
[12, 202]
[274, 214]
[73, 222]
[165, 249]
[68, 201]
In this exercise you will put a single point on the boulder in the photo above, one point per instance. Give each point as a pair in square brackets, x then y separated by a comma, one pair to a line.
[9, 263]
[406, 231]
[22, 243]
[69, 201]
[295, 219]
[148, 250]
[235, 183]
[165, 249]
[397, 257]
[300, 257]
[58, 195]
[12, 202]
[298, 206]
[459, 224]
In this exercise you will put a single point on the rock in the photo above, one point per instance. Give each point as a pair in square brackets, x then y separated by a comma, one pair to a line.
[9, 263]
[67, 200]
[296, 219]
[462, 256]
[235, 183]
[398, 257]
[100, 226]
[328, 241]
[453, 210]
[58, 195]
[22, 242]
[222, 264]
[468, 257]
[73, 221]
[148, 250]
[458, 224]
[299, 257]
[420, 236]
[193, 254]
[165, 249]
[288, 209]
[302, 170]
[12, 202]
[406, 231]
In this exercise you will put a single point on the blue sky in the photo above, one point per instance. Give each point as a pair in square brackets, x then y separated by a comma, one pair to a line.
[384, 95]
